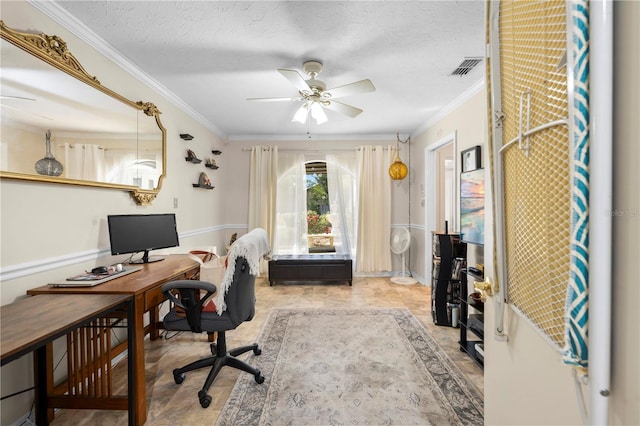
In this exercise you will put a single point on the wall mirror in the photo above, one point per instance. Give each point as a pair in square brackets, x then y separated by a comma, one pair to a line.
[60, 125]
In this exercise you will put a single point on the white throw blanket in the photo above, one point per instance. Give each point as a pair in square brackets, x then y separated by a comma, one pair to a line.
[252, 246]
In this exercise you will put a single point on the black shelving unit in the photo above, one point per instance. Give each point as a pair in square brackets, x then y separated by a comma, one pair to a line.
[471, 322]
[449, 260]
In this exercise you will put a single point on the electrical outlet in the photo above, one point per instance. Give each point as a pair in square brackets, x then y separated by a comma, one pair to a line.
[175, 202]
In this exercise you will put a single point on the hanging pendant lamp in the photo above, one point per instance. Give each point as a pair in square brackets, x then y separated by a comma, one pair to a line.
[398, 170]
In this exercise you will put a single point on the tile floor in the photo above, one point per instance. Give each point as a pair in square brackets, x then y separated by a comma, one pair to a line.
[170, 404]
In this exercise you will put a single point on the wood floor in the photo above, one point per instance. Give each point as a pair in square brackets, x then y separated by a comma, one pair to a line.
[171, 404]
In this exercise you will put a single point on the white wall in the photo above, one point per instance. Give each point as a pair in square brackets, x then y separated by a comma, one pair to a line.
[625, 368]
[49, 231]
[468, 121]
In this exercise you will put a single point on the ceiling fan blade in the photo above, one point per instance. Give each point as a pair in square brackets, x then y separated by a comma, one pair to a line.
[27, 112]
[16, 97]
[274, 99]
[295, 78]
[362, 86]
[345, 109]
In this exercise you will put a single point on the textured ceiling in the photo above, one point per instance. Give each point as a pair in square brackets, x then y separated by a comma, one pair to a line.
[215, 55]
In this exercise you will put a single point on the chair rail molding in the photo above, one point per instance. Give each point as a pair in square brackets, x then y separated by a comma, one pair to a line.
[46, 264]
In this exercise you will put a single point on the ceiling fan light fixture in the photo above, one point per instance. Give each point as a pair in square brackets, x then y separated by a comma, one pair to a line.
[318, 113]
[316, 97]
[301, 115]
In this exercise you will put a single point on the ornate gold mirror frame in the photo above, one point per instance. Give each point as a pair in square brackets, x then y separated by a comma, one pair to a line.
[53, 51]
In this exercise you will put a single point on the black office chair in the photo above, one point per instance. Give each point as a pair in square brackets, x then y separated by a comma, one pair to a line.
[187, 314]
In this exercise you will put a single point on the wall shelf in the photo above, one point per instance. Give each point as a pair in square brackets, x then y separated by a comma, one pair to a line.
[192, 157]
[197, 185]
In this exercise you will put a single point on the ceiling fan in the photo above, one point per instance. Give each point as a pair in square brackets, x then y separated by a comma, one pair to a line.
[315, 95]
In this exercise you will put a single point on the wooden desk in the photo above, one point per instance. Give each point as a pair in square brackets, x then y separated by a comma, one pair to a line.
[30, 324]
[145, 286]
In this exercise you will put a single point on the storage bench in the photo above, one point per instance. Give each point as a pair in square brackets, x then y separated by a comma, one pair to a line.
[310, 267]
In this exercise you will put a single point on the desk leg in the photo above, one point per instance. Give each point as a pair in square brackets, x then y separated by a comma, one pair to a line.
[154, 319]
[41, 386]
[138, 367]
[131, 375]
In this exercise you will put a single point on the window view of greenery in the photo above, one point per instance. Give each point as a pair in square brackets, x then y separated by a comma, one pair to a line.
[317, 198]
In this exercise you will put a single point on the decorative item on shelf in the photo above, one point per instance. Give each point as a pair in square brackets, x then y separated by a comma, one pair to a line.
[203, 182]
[398, 170]
[48, 165]
[210, 163]
[191, 157]
[471, 159]
[216, 152]
[475, 300]
[186, 136]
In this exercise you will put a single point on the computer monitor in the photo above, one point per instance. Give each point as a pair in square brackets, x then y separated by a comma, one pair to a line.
[134, 233]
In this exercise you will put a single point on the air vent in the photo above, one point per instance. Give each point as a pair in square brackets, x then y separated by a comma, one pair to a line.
[467, 65]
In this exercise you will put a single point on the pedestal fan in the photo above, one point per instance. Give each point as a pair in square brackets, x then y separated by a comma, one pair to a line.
[400, 242]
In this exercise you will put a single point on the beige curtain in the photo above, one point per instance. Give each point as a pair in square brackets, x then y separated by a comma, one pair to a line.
[263, 181]
[85, 162]
[374, 216]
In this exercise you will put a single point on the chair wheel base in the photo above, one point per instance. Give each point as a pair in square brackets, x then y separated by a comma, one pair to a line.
[178, 377]
[257, 351]
[205, 399]
[259, 377]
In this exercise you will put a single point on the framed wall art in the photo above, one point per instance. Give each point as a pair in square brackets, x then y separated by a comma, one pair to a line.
[471, 159]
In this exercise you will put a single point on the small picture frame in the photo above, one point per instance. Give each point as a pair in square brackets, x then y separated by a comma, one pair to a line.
[471, 159]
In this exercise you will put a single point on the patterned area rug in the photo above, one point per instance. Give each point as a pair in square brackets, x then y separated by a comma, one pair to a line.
[351, 367]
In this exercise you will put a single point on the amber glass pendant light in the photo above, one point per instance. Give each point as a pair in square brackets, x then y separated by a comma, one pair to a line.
[398, 170]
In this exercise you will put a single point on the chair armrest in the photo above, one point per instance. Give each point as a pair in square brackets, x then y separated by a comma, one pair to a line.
[189, 300]
[195, 284]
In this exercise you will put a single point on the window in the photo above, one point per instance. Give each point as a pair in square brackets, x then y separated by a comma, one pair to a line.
[319, 227]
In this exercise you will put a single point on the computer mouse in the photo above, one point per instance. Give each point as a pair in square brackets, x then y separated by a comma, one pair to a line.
[100, 270]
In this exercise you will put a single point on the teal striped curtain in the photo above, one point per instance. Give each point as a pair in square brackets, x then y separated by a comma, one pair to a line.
[577, 306]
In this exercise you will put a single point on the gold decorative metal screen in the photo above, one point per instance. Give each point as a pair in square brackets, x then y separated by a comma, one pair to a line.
[536, 171]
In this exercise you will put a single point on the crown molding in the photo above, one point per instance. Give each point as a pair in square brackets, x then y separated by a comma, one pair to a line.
[312, 137]
[80, 30]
